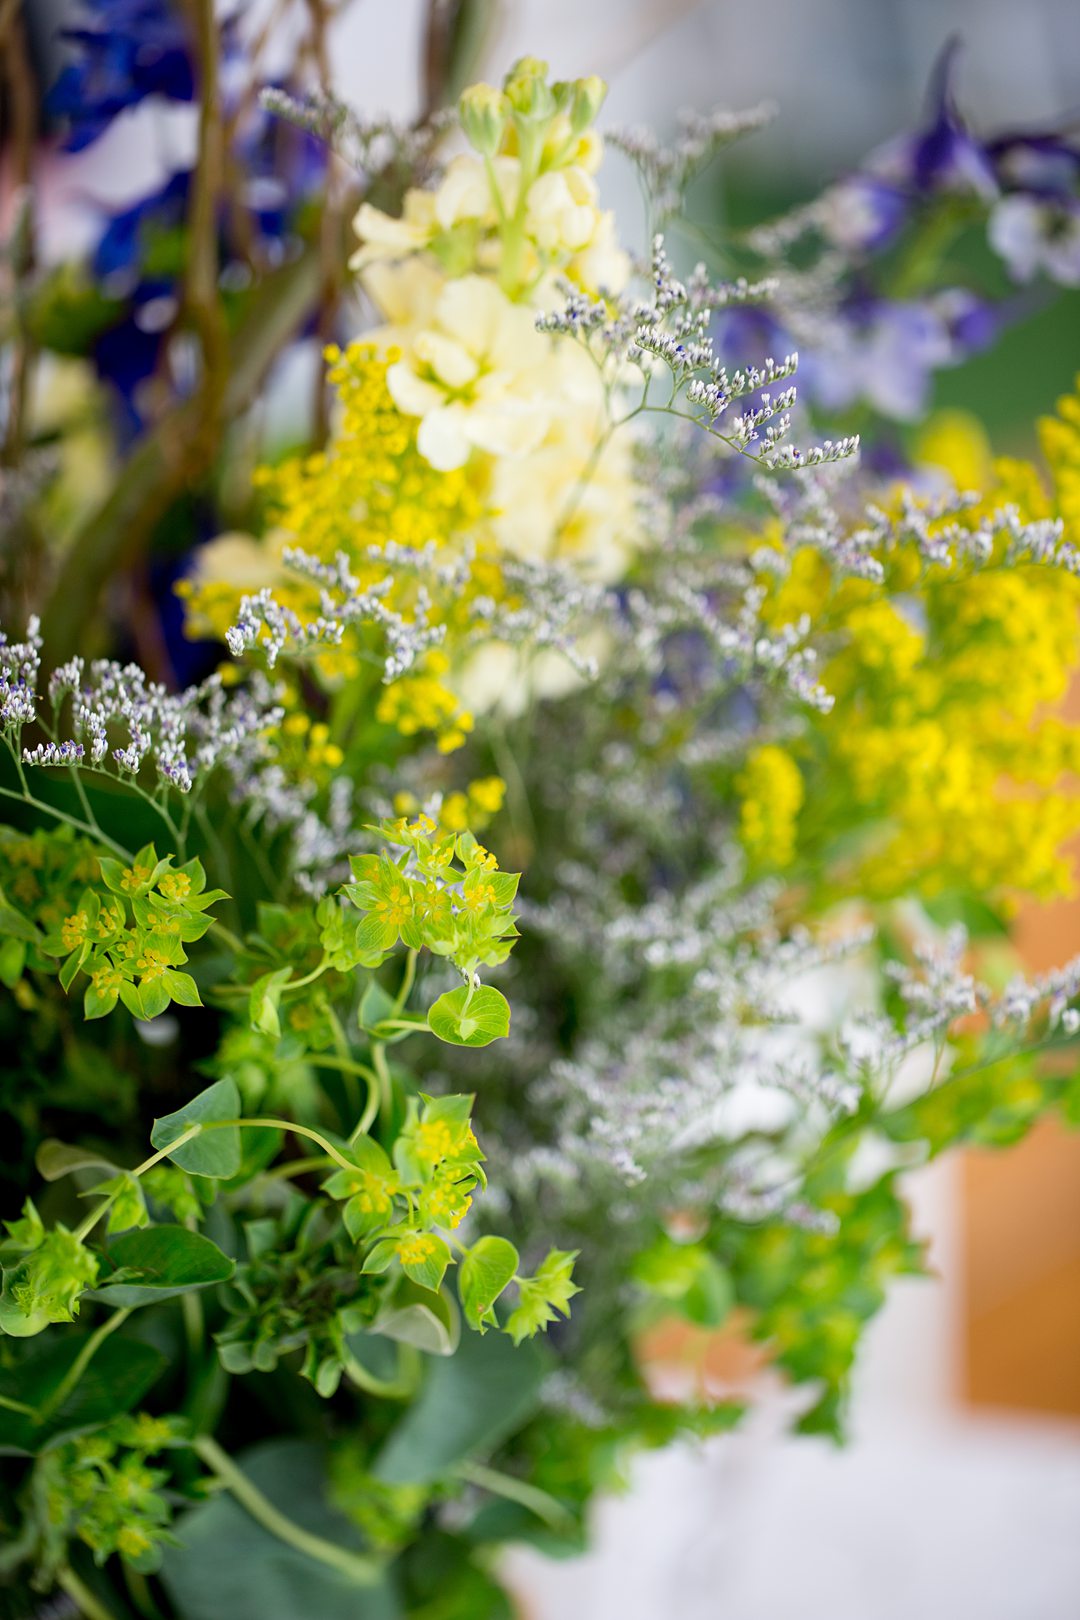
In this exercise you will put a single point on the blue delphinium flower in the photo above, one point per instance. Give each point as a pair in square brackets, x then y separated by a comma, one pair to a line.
[133, 49]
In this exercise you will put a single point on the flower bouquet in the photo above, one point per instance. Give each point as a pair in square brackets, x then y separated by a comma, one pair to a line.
[347, 1169]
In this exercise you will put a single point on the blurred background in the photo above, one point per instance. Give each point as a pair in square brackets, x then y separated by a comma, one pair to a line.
[961, 1487]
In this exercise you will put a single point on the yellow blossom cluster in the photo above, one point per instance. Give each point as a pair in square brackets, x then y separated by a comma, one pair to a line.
[944, 762]
[771, 789]
[367, 489]
[457, 421]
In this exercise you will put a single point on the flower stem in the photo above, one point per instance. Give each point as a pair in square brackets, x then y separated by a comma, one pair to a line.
[537, 1501]
[364, 1571]
[89, 1350]
[82, 1597]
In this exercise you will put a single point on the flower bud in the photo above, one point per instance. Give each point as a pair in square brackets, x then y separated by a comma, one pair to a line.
[483, 111]
[528, 91]
[586, 99]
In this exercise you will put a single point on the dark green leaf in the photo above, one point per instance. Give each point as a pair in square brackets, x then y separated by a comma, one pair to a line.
[116, 1379]
[160, 1261]
[229, 1568]
[470, 1402]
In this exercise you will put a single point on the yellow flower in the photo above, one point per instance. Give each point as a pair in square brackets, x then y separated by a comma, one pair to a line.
[416, 1248]
[175, 885]
[74, 931]
[772, 792]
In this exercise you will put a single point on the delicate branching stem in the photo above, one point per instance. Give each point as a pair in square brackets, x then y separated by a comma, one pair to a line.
[75, 822]
[364, 1571]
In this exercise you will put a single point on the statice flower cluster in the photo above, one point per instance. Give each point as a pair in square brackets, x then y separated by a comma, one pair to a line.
[20, 663]
[183, 735]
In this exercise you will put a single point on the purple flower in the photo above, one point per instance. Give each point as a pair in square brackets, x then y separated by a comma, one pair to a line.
[944, 155]
[1032, 234]
[883, 353]
[863, 213]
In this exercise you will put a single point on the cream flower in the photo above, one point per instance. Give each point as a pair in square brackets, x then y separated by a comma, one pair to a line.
[384, 237]
[561, 214]
[465, 192]
[473, 376]
[242, 561]
[557, 505]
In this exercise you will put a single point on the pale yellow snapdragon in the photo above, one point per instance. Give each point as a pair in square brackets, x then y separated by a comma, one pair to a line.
[459, 280]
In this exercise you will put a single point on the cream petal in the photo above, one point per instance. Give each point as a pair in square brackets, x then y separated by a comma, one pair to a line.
[410, 393]
[451, 364]
[442, 439]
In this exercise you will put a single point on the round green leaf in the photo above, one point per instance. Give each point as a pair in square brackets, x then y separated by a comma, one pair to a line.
[214, 1153]
[470, 1019]
[485, 1271]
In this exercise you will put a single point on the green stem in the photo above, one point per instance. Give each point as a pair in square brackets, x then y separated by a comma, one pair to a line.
[81, 1596]
[17, 1406]
[364, 1571]
[233, 941]
[71, 821]
[89, 1350]
[308, 978]
[348, 1066]
[87, 1225]
[389, 1389]
[293, 1167]
[386, 1084]
[277, 1125]
[407, 980]
[537, 1501]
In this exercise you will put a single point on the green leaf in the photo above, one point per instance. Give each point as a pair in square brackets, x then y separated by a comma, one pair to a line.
[541, 1296]
[98, 1003]
[465, 1018]
[14, 923]
[182, 988]
[265, 998]
[12, 959]
[215, 1153]
[70, 968]
[430, 1270]
[228, 1565]
[116, 1379]
[375, 1005]
[414, 1315]
[469, 1404]
[56, 1159]
[160, 1261]
[485, 1271]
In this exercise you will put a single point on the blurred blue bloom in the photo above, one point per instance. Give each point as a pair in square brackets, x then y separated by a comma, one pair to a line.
[863, 213]
[137, 48]
[944, 155]
[884, 353]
